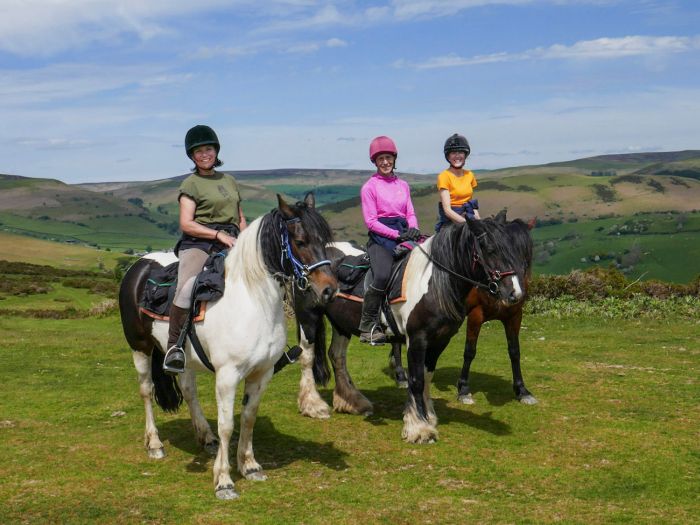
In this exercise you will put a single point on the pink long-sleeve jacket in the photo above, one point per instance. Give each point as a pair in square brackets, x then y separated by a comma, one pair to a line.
[386, 197]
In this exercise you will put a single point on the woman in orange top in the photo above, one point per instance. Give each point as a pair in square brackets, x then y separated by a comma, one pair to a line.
[456, 185]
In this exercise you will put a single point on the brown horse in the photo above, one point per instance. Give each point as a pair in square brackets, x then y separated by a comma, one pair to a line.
[439, 277]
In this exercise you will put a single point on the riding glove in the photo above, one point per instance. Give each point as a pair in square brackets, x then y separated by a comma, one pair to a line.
[412, 234]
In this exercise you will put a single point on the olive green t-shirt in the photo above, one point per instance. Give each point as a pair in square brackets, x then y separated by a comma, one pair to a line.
[216, 196]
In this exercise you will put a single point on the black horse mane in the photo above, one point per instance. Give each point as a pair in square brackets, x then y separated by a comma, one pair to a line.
[504, 246]
[273, 223]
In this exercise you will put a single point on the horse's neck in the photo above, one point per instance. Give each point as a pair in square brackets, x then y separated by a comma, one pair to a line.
[246, 271]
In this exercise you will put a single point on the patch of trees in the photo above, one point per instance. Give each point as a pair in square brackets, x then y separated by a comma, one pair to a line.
[598, 283]
[494, 185]
[603, 173]
[605, 193]
[632, 179]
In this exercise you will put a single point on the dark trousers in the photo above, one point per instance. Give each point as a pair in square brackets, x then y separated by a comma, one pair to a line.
[380, 260]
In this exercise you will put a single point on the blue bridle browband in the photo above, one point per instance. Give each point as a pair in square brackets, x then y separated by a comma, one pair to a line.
[301, 271]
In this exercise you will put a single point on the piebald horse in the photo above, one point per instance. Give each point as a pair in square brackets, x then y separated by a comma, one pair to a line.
[440, 275]
[482, 307]
[243, 334]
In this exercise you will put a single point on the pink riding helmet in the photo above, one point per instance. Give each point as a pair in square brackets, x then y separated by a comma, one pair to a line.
[381, 145]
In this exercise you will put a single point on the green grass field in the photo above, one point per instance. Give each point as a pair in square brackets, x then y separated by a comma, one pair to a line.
[665, 251]
[614, 438]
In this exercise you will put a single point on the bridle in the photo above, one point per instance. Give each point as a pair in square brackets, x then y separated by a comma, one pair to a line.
[494, 276]
[301, 271]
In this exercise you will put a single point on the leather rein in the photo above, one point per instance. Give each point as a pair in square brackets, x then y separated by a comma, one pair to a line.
[494, 276]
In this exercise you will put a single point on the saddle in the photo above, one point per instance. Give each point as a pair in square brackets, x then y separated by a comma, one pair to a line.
[159, 290]
[354, 274]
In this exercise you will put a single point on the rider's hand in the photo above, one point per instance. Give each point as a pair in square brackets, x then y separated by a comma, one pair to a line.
[412, 234]
[224, 238]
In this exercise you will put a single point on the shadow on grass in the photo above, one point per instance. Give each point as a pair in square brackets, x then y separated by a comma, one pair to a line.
[497, 389]
[273, 449]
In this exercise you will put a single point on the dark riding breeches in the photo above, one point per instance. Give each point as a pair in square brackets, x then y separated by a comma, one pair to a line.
[380, 260]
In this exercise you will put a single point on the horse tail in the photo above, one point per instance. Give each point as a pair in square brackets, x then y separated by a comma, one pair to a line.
[322, 372]
[166, 391]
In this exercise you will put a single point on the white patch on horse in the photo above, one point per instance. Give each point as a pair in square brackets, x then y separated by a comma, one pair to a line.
[162, 258]
[517, 290]
[345, 247]
[417, 276]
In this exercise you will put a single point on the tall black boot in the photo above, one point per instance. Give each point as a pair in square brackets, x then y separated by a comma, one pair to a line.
[174, 362]
[370, 329]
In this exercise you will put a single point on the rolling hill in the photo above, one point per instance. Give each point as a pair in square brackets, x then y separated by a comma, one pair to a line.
[582, 208]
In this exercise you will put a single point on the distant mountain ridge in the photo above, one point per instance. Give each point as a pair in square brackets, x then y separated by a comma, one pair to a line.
[108, 213]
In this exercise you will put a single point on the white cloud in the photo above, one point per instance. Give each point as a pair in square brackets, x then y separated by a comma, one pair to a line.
[47, 27]
[601, 48]
[78, 81]
[336, 42]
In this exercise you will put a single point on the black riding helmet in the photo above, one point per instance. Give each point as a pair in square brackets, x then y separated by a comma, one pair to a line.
[457, 143]
[200, 135]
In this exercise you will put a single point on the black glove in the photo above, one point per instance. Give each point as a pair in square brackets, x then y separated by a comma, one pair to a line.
[412, 234]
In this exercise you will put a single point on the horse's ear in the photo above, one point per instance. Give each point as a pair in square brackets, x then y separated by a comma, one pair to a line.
[531, 223]
[310, 199]
[284, 207]
[500, 217]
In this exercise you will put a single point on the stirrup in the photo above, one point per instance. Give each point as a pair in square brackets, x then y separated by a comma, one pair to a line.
[381, 336]
[173, 363]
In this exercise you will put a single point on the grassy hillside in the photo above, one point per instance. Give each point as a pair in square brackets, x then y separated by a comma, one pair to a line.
[144, 214]
[20, 248]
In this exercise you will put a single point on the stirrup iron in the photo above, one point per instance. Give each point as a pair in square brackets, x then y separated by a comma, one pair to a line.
[172, 370]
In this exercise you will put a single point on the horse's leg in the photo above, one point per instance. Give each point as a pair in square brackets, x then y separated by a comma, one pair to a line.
[152, 441]
[254, 387]
[474, 321]
[346, 397]
[430, 411]
[310, 402]
[227, 379]
[512, 327]
[417, 427]
[202, 430]
[396, 366]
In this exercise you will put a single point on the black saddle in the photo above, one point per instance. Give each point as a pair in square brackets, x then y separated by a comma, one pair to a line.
[355, 275]
[161, 284]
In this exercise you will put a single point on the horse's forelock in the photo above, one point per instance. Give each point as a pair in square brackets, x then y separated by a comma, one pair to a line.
[509, 244]
[314, 224]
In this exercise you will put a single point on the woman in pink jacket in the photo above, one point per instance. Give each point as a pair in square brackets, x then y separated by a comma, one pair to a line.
[390, 219]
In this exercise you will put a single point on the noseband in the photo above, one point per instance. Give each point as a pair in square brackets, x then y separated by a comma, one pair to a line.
[301, 270]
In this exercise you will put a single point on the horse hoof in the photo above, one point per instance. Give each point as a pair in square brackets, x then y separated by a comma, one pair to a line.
[226, 493]
[156, 453]
[466, 399]
[212, 448]
[255, 475]
[528, 400]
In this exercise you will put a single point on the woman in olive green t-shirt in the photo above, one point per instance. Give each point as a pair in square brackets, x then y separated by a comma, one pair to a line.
[210, 219]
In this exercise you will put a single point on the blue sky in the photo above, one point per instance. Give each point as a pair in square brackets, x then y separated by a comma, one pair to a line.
[100, 90]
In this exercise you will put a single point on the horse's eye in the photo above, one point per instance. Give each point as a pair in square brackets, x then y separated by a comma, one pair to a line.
[299, 243]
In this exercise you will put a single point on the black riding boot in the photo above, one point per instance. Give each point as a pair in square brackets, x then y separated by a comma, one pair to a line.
[370, 329]
[174, 362]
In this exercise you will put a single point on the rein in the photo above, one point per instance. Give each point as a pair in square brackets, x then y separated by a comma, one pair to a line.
[301, 271]
[493, 275]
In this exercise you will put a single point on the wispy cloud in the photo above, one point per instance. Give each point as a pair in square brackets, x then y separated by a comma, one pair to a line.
[78, 81]
[598, 49]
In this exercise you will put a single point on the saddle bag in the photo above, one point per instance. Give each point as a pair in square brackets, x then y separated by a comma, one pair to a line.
[351, 269]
